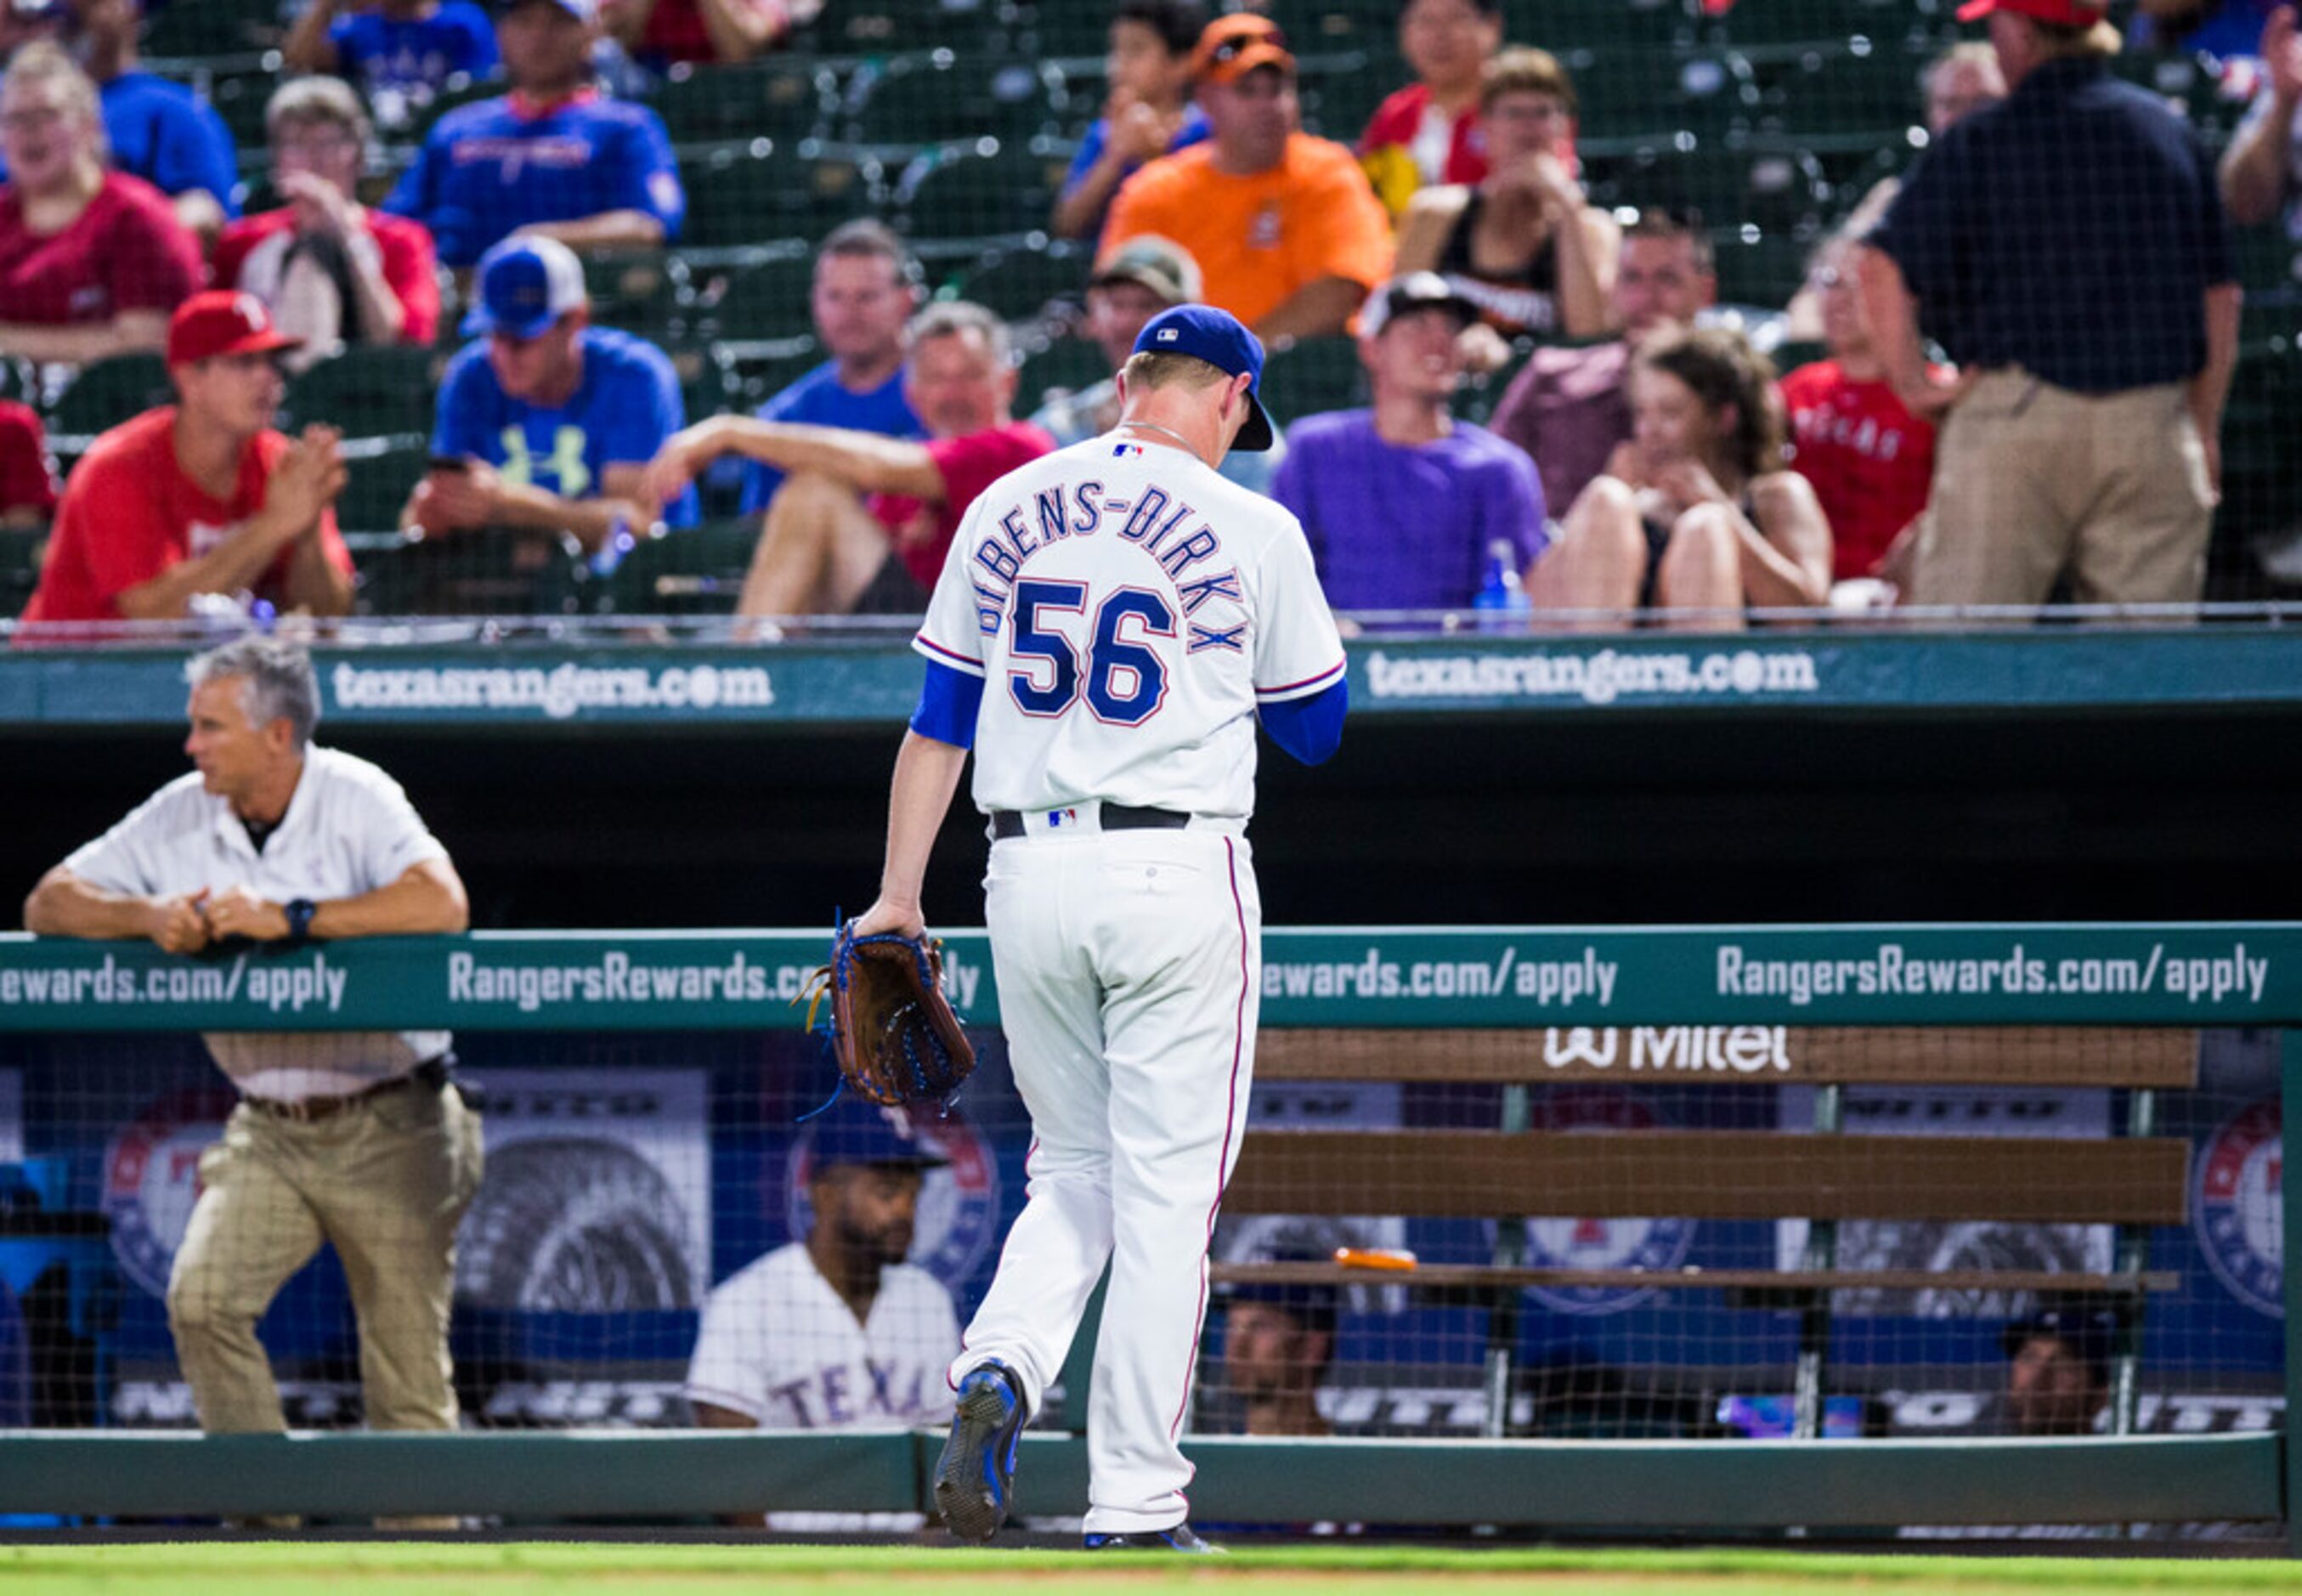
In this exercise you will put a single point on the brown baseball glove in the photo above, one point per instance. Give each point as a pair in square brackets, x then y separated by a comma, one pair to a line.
[893, 1032]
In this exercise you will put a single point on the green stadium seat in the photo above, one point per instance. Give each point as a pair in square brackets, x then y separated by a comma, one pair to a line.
[1062, 29]
[368, 391]
[107, 394]
[1836, 88]
[1559, 25]
[1776, 189]
[783, 101]
[990, 190]
[1763, 268]
[1021, 283]
[755, 370]
[976, 28]
[1070, 365]
[20, 551]
[380, 473]
[1631, 93]
[240, 99]
[1315, 376]
[476, 573]
[639, 289]
[694, 570]
[765, 296]
[756, 192]
[193, 29]
[914, 100]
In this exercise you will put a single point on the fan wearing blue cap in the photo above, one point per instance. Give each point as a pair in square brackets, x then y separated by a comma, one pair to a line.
[547, 422]
[836, 1331]
[552, 158]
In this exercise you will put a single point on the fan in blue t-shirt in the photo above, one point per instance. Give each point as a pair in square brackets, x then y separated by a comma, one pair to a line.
[547, 422]
[400, 52]
[551, 155]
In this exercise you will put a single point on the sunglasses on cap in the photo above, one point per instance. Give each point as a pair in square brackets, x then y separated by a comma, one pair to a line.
[1238, 44]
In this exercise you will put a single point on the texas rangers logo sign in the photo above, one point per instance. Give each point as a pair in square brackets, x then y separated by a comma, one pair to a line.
[152, 1179]
[2237, 1206]
[1655, 1244]
[959, 1203]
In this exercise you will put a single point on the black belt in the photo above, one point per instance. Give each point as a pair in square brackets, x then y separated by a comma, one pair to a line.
[1007, 824]
[431, 1075]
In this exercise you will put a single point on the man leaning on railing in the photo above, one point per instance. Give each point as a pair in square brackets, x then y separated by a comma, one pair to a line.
[357, 1139]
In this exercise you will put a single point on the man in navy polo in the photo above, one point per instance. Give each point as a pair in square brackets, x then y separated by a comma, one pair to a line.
[550, 159]
[550, 422]
[2067, 248]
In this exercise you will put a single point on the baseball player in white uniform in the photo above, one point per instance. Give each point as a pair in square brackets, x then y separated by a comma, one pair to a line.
[836, 1331]
[1111, 622]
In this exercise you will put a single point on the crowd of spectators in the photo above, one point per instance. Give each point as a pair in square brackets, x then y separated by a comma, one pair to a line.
[2026, 337]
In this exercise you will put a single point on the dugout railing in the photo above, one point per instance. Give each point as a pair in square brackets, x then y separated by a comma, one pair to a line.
[1452, 993]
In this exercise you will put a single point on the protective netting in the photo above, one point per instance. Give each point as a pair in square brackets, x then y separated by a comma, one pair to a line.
[1766, 124]
[1676, 1231]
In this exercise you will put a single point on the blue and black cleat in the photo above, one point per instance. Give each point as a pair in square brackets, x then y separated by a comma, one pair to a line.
[975, 1473]
[1180, 1538]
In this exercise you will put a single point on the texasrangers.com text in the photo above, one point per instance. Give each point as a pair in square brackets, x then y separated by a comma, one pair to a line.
[1546, 981]
[1893, 970]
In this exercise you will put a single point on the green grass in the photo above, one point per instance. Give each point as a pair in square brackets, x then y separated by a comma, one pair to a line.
[213, 1569]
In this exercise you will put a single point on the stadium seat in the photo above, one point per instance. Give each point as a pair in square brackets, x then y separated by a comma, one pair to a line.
[1063, 30]
[1559, 25]
[1023, 284]
[1776, 188]
[1069, 365]
[639, 290]
[240, 99]
[1630, 93]
[914, 100]
[20, 548]
[367, 392]
[976, 28]
[1834, 87]
[1761, 268]
[1318, 373]
[764, 295]
[476, 573]
[695, 570]
[382, 471]
[782, 101]
[756, 192]
[208, 27]
[988, 190]
[107, 394]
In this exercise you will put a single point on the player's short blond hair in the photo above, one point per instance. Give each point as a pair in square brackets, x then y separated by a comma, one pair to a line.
[1152, 369]
[44, 60]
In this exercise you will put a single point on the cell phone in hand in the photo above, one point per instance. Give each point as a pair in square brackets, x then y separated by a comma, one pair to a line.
[449, 463]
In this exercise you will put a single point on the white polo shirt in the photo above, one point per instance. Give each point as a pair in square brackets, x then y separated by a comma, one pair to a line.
[350, 829]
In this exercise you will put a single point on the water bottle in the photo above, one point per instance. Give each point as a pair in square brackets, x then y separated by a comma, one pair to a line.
[1501, 604]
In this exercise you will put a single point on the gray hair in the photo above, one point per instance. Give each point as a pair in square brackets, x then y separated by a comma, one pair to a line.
[276, 682]
[948, 318]
[317, 99]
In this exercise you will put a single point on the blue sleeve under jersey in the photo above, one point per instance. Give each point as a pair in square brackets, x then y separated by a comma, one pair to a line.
[948, 702]
[1309, 728]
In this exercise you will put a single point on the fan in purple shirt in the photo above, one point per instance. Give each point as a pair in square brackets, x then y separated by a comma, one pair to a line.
[1402, 502]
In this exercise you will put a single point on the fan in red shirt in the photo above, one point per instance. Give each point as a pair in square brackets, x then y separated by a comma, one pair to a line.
[862, 522]
[661, 32]
[27, 486]
[331, 271]
[202, 496]
[1429, 133]
[91, 261]
[1870, 460]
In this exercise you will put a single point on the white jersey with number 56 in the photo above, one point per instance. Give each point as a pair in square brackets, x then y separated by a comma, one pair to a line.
[1127, 608]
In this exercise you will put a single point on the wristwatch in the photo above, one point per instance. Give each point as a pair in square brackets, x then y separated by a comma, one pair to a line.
[299, 912]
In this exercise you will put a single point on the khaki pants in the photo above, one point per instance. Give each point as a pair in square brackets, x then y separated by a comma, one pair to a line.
[387, 1183]
[2031, 480]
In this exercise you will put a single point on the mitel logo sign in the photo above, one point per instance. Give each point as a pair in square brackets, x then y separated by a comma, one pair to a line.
[1670, 1049]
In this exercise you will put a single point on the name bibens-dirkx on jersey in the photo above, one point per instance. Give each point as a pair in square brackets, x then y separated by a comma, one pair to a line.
[1126, 609]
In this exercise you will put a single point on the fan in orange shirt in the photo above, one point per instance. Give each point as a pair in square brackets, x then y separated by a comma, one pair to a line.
[1286, 233]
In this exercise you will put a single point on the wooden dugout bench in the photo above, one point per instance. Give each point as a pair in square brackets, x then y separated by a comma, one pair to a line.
[2132, 1180]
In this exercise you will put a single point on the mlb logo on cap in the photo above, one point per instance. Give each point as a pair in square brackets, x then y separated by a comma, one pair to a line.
[1169, 334]
[1221, 340]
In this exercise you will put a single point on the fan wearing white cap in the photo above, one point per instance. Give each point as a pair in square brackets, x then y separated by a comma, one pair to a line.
[547, 422]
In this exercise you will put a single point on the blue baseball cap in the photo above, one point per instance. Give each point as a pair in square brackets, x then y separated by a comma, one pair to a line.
[526, 285]
[583, 11]
[856, 1131]
[1220, 340]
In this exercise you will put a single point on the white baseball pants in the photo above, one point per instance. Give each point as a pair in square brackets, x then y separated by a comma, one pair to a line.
[1129, 963]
